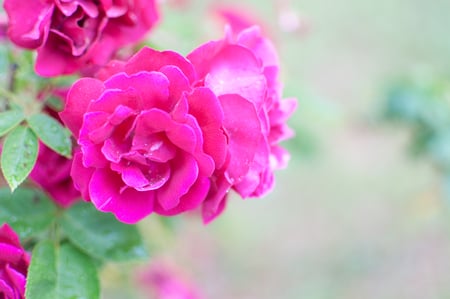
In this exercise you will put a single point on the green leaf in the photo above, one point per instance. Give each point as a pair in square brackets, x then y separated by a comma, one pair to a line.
[52, 133]
[19, 155]
[61, 273]
[101, 235]
[9, 120]
[28, 211]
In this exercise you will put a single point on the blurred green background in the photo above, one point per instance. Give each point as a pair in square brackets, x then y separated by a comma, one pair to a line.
[354, 216]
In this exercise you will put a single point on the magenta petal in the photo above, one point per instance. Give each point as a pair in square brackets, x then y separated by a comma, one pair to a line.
[152, 60]
[145, 180]
[202, 56]
[178, 81]
[78, 99]
[189, 201]
[235, 70]
[205, 162]
[259, 165]
[206, 109]
[6, 290]
[10, 252]
[244, 130]
[114, 151]
[262, 47]
[216, 199]
[51, 61]
[184, 174]
[279, 157]
[81, 175]
[181, 109]
[155, 120]
[18, 279]
[134, 24]
[112, 98]
[29, 21]
[151, 87]
[9, 236]
[133, 177]
[95, 129]
[120, 114]
[112, 68]
[154, 147]
[127, 205]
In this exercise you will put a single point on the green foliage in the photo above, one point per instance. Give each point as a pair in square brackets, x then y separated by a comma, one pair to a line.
[19, 155]
[61, 272]
[101, 235]
[28, 211]
[52, 133]
[9, 120]
[424, 106]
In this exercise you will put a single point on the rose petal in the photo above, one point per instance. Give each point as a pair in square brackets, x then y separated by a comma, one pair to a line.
[151, 178]
[152, 88]
[7, 290]
[235, 70]
[243, 127]
[82, 93]
[18, 279]
[28, 22]
[127, 205]
[206, 109]
[155, 147]
[252, 39]
[152, 60]
[182, 178]
[81, 175]
[189, 201]
[9, 236]
[155, 120]
[179, 84]
[216, 199]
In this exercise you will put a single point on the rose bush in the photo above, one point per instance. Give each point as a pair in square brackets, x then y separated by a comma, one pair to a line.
[72, 35]
[52, 171]
[242, 70]
[148, 140]
[14, 261]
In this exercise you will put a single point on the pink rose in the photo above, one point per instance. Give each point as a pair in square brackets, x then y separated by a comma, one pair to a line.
[148, 140]
[72, 35]
[14, 262]
[242, 70]
[52, 173]
[164, 281]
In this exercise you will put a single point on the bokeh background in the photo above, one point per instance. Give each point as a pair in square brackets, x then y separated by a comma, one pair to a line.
[355, 215]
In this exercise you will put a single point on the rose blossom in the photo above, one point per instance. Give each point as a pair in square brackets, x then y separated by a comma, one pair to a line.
[165, 281]
[148, 140]
[242, 70]
[70, 35]
[14, 262]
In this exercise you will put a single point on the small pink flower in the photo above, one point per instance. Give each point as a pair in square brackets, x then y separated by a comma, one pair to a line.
[237, 17]
[166, 282]
[148, 140]
[14, 262]
[242, 70]
[72, 35]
